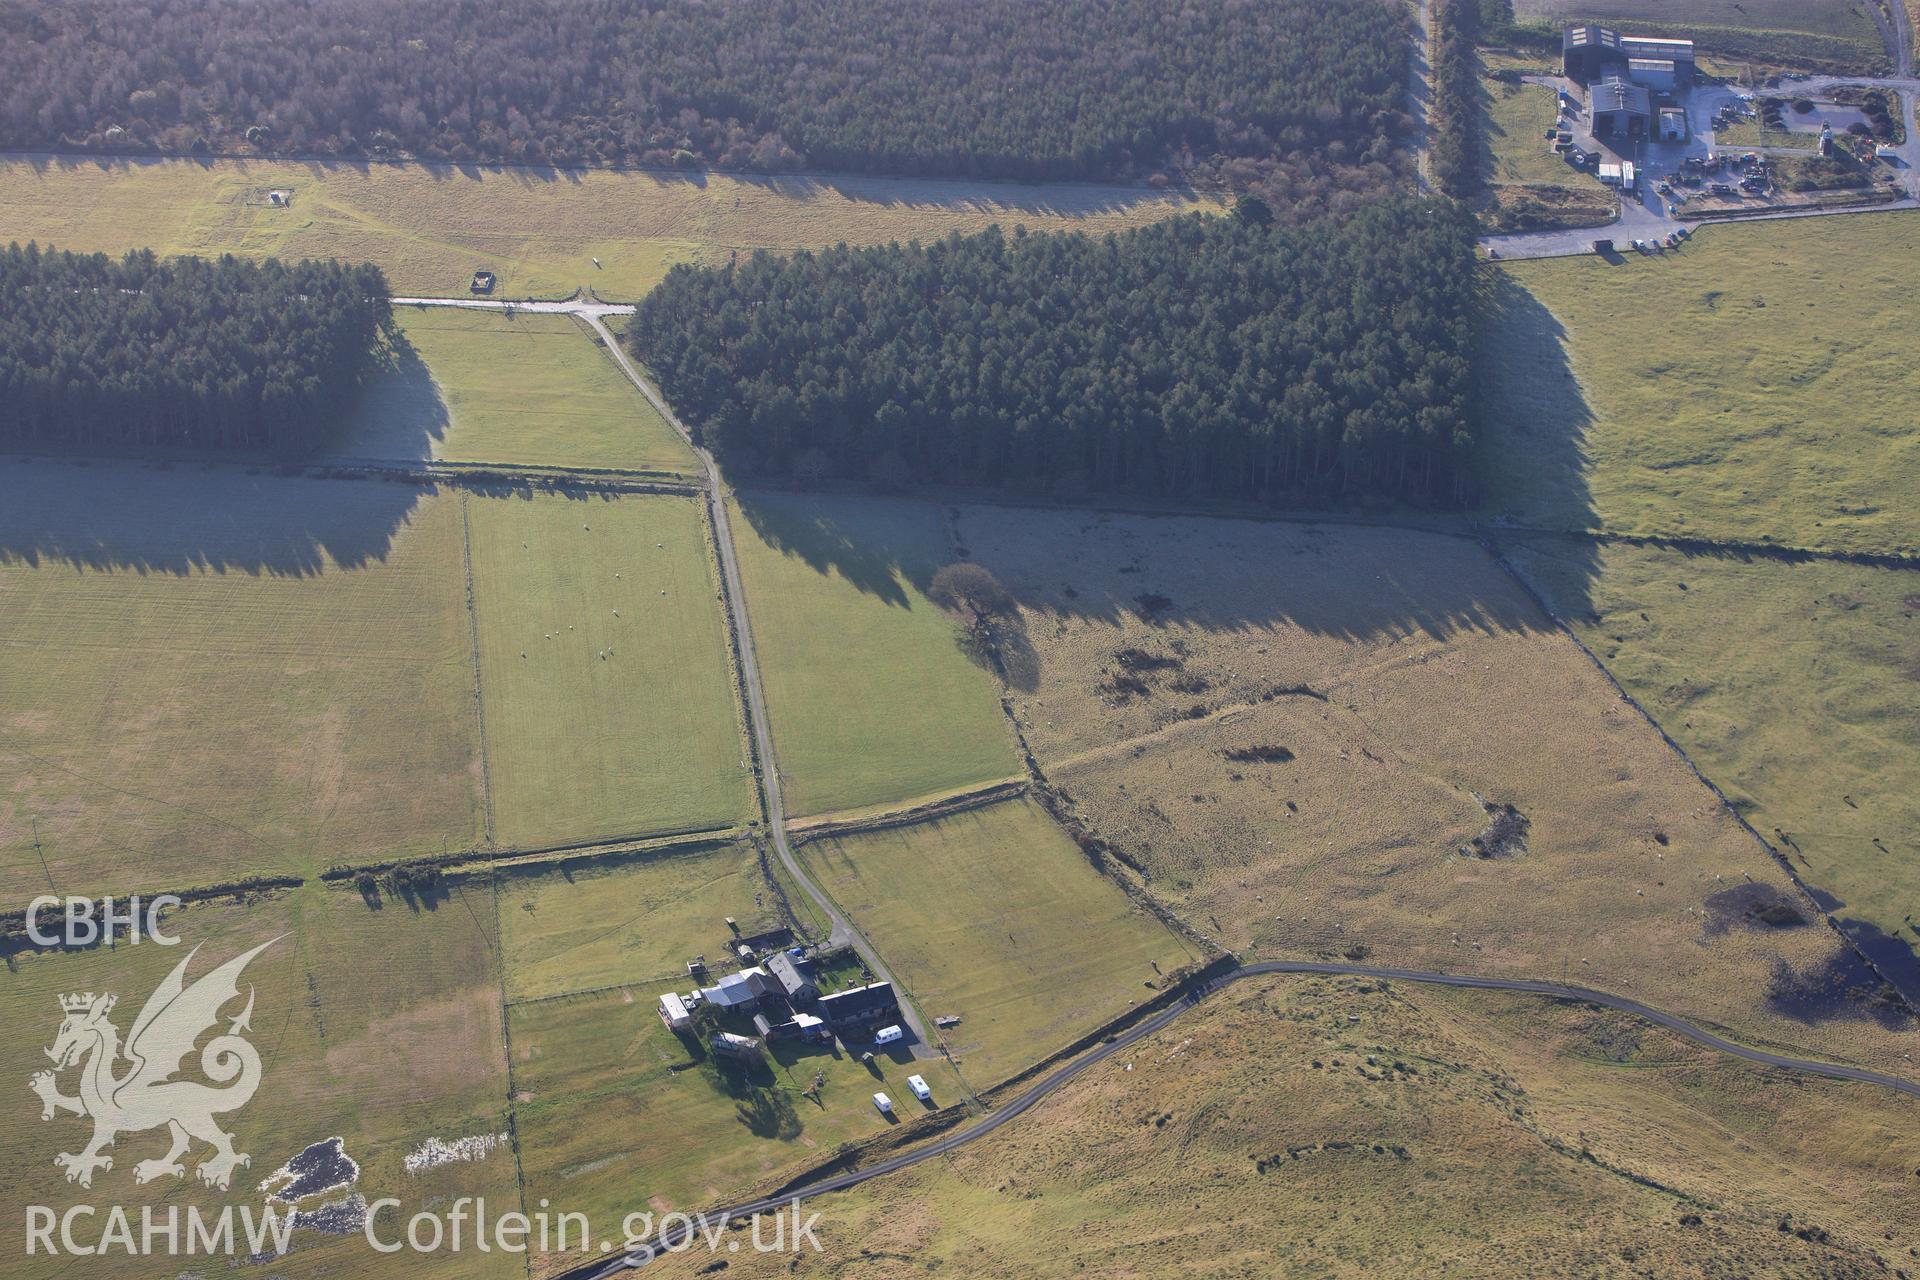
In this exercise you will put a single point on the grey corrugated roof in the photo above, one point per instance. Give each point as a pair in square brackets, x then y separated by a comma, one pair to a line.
[1618, 95]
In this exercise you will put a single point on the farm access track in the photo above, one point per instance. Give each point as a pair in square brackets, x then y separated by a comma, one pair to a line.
[843, 928]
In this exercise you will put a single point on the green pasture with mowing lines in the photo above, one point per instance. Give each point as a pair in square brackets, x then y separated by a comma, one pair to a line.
[1796, 687]
[639, 920]
[480, 386]
[1757, 385]
[209, 675]
[996, 916]
[610, 707]
[429, 227]
[381, 1027]
[615, 1113]
[871, 698]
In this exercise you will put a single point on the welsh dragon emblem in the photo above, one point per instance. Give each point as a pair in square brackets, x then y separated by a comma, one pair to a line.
[145, 1094]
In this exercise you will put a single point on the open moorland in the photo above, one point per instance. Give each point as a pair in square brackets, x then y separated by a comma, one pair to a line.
[1795, 686]
[604, 670]
[1826, 34]
[872, 699]
[1347, 1129]
[430, 227]
[210, 675]
[381, 1028]
[1379, 747]
[592, 925]
[1754, 386]
[995, 917]
[521, 389]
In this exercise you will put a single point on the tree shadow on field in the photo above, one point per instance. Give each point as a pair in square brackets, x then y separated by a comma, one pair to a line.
[870, 542]
[401, 414]
[1236, 573]
[184, 518]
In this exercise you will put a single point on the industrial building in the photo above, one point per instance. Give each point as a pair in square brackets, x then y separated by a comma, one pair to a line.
[1590, 54]
[1620, 109]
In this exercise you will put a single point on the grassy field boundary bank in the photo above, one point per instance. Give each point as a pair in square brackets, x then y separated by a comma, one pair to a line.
[1718, 547]
[474, 861]
[13, 923]
[1908, 1000]
[479, 685]
[497, 953]
[829, 827]
[480, 477]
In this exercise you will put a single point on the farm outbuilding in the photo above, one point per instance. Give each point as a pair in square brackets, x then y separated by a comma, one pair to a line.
[741, 990]
[741, 1048]
[673, 1012]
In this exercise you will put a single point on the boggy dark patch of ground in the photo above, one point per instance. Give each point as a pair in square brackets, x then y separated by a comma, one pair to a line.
[1752, 906]
[322, 1166]
[1842, 986]
[1505, 835]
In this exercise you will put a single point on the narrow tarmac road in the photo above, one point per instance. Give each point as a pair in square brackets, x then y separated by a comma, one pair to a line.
[677, 1238]
[594, 314]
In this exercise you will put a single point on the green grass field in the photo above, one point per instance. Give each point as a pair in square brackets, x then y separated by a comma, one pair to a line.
[616, 1115]
[431, 227]
[206, 676]
[525, 389]
[1751, 133]
[871, 698]
[609, 696]
[1837, 35]
[1755, 386]
[1528, 185]
[1796, 687]
[382, 1028]
[636, 921]
[1518, 116]
[994, 915]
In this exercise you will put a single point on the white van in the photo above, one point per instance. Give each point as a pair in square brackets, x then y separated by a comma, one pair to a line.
[884, 1103]
[887, 1035]
[919, 1087]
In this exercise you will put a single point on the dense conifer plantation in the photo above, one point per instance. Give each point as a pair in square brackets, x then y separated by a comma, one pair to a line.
[1199, 358]
[97, 354]
[1006, 88]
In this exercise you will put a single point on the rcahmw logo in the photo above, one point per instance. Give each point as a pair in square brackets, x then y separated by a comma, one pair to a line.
[130, 1087]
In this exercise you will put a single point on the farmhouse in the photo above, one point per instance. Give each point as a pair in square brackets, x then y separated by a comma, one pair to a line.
[860, 1006]
[794, 983]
